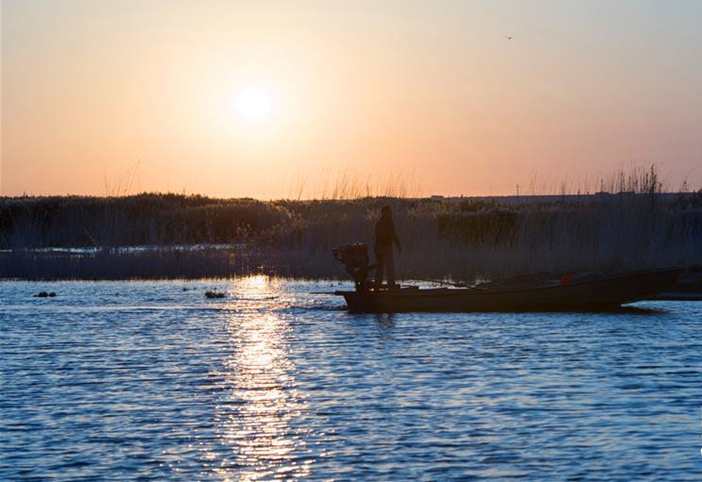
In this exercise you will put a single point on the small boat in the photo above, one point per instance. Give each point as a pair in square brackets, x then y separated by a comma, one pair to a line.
[568, 293]
[597, 294]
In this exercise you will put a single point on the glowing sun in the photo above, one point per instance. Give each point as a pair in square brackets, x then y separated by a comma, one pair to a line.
[253, 104]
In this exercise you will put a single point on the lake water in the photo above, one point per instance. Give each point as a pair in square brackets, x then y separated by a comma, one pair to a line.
[124, 380]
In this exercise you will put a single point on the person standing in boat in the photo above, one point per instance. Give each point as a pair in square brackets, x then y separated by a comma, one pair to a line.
[385, 237]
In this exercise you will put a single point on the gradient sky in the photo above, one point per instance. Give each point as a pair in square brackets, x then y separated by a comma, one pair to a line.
[426, 97]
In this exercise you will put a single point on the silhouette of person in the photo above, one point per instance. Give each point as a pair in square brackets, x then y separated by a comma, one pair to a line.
[385, 236]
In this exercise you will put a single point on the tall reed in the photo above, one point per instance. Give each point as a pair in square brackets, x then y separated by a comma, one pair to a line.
[461, 239]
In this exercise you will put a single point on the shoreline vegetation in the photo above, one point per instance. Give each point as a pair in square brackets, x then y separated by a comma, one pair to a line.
[152, 236]
[631, 224]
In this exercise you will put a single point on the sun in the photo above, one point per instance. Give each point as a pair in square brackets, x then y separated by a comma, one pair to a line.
[253, 104]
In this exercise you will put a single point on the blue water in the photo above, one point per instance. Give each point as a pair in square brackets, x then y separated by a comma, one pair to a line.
[152, 380]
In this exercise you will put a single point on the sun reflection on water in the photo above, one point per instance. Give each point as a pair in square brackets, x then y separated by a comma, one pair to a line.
[261, 400]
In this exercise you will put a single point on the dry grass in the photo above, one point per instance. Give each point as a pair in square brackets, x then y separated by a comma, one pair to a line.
[459, 239]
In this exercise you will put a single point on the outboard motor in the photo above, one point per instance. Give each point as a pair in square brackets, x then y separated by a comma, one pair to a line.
[355, 258]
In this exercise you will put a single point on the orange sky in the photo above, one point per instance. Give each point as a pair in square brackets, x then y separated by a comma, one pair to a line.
[418, 98]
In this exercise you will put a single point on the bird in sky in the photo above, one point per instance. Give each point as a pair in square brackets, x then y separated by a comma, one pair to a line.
[509, 37]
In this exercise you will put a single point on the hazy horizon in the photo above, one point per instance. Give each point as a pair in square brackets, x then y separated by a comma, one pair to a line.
[280, 100]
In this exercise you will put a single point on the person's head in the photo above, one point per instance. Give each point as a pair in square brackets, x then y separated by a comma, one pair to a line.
[385, 211]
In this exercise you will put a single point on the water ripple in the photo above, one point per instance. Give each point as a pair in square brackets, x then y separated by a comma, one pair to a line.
[152, 380]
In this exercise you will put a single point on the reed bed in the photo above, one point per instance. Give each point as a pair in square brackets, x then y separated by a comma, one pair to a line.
[451, 239]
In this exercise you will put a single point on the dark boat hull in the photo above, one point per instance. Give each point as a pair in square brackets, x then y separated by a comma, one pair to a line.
[592, 295]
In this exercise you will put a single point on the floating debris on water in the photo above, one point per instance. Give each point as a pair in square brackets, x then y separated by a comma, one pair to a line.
[45, 294]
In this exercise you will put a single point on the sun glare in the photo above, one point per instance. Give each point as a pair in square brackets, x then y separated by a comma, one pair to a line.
[253, 104]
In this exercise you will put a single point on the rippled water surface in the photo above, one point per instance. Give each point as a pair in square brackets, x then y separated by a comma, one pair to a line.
[153, 380]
